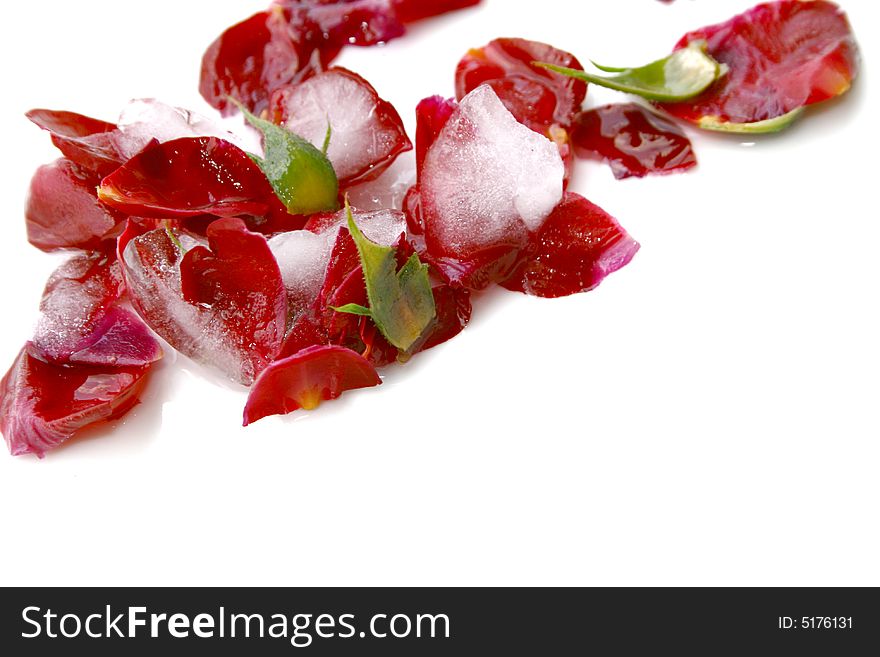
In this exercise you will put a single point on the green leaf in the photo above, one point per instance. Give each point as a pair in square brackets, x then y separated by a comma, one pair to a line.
[401, 303]
[300, 174]
[354, 309]
[756, 128]
[686, 73]
[327, 137]
[169, 231]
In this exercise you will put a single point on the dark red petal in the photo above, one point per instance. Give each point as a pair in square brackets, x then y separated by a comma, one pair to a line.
[308, 331]
[431, 115]
[275, 220]
[352, 331]
[577, 247]
[83, 140]
[239, 281]
[343, 284]
[453, 314]
[341, 326]
[313, 326]
[415, 220]
[535, 96]
[481, 269]
[781, 55]
[63, 210]
[367, 132]
[305, 379]
[344, 22]
[344, 259]
[633, 140]
[252, 59]
[242, 328]
[43, 405]
[77, 297]
[190, 177]
[414, 10]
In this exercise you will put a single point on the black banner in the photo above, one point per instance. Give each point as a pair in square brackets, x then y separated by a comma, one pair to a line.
[704, 621]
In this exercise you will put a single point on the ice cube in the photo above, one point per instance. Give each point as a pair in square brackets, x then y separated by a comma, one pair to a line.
[302, 257]
[487, 179]
[381, 226]
[153, 280]
[146, 119]
[388, 190]
[77, 296]
[366, 131]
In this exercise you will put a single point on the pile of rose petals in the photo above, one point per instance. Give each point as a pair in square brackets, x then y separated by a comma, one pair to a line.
[177, 231]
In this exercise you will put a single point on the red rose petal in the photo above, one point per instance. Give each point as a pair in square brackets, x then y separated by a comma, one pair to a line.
[453, 314]
[86, 141]
[534, 95]
[239, 281]
[235, 317]
[297, 38]
[344, 22]
[306, 379]
[578, 246]
[781, 56]
[43, 405]
[190, 177]
[252, 59]
[77, 297]
[63, 210]
[634, 140]
[120, 339]
[480, 270]
[431, 116]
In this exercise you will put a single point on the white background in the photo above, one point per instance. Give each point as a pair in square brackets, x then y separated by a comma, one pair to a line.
[707, 416]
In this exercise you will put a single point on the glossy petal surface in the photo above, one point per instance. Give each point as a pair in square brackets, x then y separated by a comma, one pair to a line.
[431, 116]
[295, 39]
[535, 96]
[86, 141]
[252, 59]
[634, 140]
[119, 339]
[224, 307]
[306, 379]
[63, 211]
[453, 314]
[579, 245]
[238, 280]
[190, 177]
[344, 22]
[77, 297]
[43, 405]
[781, 56]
